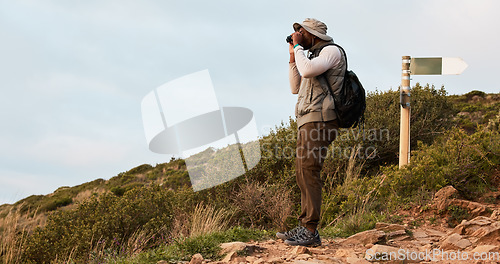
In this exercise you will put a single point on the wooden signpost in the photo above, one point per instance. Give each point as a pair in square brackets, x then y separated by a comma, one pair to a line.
[419, 66]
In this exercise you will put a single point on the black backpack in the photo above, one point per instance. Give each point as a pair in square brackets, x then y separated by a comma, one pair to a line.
[350, 103]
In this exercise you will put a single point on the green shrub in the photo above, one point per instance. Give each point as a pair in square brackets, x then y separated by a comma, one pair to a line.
[56, 202]
[467, 162]
[457, 159]
[140, 169]
[456, 215]
[102, 221]
[182, 249]
[353, 223]
[473, 93]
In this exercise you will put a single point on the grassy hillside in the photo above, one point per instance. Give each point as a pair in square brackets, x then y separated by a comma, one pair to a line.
[150, 213]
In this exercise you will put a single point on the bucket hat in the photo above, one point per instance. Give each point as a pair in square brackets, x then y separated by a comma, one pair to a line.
[315, 27]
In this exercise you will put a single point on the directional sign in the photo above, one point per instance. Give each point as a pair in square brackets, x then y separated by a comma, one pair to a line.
[437, 66]
[419, 66]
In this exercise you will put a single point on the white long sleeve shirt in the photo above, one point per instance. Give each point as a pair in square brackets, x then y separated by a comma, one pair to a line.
[328, 58]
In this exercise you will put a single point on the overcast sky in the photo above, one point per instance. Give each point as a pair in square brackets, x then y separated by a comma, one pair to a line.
[73, 73]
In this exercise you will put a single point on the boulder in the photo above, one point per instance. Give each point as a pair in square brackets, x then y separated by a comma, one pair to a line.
[366, 237]
[300, 250]
[232, 246]
[486, 249]
[237, 246]
[482, 230]
[443, 195]
[455, 242]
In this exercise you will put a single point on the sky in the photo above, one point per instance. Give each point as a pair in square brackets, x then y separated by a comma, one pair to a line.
[73, 73]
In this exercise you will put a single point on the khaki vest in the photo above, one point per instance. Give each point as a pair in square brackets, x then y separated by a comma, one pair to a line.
[314, 104]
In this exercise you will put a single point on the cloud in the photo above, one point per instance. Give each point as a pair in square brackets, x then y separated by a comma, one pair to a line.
[73, 73]
[15, 185]
[76, 151]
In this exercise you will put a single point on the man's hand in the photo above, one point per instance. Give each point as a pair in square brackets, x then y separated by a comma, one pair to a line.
[290, 48]
[297, 38]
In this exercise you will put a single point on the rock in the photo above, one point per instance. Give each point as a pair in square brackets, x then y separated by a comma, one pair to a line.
[483, 229]
[434, 233]
[381, 253]
[230, 257]
[162, 262]
[329, 259]
[486, 248]
[424, 248]
[232, 246]
[419, 234]
[300, 250]
[317, 250]
[303, 257]
[342, 253]
[312, 261]
[389, 227]
[259, 261]
[474, 209]
[366, 237]
[495, 215]
[275, 260]
[355, 260]
[443, 195]
[238, 247]
[396, 234]
[401, 238]
[251, 259]
[196, 259]
[455, 242]
[471, 226]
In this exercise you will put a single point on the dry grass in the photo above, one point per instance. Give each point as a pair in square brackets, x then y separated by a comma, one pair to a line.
[249, 201]
[14, 230]
[207, 219]
[263, 203]
[279, 207]
[204, 219]
[12, 236]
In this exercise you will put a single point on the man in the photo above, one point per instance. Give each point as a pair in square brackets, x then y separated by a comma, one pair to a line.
[316, 119]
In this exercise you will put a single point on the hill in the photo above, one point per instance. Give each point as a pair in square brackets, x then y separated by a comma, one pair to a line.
[152, 210]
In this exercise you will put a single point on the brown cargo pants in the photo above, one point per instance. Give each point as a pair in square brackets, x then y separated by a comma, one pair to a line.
[313, 140]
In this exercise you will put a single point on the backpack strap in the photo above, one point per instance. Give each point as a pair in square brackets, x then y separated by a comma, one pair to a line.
[322, 77]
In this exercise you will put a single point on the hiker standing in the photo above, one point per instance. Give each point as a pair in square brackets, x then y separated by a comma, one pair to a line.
[316, 119]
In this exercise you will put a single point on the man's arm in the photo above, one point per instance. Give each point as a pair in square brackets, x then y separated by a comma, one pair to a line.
[327, 59]
[293, 73]
[294, 76]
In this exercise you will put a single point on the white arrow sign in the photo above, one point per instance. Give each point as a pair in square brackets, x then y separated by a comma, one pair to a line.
[453, 66]
[437, 66]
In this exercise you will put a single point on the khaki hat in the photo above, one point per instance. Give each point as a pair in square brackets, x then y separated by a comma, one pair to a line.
[315, 27]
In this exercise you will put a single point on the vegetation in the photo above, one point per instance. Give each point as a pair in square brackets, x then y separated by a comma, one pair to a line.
[151, 213]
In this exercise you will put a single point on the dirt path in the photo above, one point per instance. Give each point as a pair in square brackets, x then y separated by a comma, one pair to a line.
[473, 241]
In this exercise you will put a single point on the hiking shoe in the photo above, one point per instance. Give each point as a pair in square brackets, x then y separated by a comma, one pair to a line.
[305, 238]
[291, 233]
